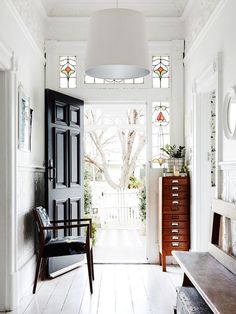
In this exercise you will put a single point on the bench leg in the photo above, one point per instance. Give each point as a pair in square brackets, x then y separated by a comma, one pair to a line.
[186, 282]
[163, 261]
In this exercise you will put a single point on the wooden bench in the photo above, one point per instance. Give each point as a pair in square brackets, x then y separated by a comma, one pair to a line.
[213, 273]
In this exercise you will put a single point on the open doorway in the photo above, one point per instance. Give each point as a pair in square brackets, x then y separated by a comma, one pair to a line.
[115, 173]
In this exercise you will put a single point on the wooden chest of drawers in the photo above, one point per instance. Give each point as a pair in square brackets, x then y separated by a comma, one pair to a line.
[174, 219]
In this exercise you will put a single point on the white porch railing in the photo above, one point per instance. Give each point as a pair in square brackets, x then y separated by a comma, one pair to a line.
[120, 209]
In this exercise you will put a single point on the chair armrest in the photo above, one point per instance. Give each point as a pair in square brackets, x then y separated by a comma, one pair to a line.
[71, 220]
[66, 227]
[74, 220]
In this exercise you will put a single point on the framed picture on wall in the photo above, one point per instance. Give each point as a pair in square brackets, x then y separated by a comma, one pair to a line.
[25, 121]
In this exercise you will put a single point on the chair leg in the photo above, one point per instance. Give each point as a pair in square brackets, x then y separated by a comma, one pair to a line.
[89, 271]
[37, 273]
[92, 266]
[44, 265]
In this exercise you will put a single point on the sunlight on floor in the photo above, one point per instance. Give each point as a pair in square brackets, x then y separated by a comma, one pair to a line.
[118, 289]
[120, 246]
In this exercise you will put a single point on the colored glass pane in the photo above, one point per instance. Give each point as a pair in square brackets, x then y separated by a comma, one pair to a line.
[161, 71]
[67, 66]
[160, 131]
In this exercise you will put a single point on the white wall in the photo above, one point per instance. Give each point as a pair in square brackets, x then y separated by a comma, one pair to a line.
[217, 36]
[29, 165]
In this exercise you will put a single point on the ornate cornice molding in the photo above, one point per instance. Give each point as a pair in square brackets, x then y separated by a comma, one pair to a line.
[32, 18]
[196, 19]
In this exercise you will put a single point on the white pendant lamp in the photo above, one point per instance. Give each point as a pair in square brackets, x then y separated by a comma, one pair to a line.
[117, 45]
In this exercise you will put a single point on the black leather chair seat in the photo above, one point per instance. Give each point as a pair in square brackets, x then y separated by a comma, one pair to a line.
[68, 245]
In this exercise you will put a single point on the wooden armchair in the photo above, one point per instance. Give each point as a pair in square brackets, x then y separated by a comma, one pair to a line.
[61, 246]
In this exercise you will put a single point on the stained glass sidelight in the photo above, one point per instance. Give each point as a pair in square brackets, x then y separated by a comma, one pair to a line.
[213, 138]
[161, 71]
[95, 80]
[67, 71]
[160, 130]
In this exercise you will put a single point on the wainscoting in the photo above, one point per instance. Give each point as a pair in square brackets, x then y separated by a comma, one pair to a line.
[30, 193]
[229, 194]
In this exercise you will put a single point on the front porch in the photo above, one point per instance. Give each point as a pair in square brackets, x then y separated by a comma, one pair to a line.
[120, 245]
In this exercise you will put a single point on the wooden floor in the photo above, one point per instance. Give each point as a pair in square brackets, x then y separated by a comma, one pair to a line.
[118, 289]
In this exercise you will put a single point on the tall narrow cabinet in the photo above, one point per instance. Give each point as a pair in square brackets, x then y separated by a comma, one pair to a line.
[174, 216]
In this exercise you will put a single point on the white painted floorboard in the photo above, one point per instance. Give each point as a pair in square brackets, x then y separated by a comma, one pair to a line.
[118, 289]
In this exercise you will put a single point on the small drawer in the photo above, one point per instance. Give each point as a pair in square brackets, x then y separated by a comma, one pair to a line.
[175, 202]
[172, 195]
[175, 209]
[175, 237]
[176, 188]
[175, 217]
[175, 181]
[175, 224]
[167, 251]
[175, 231]
[175, 244]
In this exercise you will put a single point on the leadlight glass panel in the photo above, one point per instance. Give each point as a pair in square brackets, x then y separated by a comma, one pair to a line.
[160, 131]
[161, 71]
[213, 139]
[95, 80]
[67, 71]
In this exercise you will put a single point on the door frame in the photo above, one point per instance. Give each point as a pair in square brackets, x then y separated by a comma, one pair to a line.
[151, 241]
[8, 271]
[203, 85]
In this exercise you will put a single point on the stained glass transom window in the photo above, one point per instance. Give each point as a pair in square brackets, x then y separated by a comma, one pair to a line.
[95, 80]
[161, 71]
[67, 72]
[160, 131]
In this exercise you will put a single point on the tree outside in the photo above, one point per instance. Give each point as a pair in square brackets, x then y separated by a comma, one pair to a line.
[114, 158]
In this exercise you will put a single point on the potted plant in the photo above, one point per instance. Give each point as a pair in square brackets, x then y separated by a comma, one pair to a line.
[175, 155]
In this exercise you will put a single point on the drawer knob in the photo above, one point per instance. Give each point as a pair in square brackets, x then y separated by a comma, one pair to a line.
[175, 187]
[174, 224]
[175, 243]
[175, 237]
[175, 231]
[175, 194]
[175, 202]
[175, 181]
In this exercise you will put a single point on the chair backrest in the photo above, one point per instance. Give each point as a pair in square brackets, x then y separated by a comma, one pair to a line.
[42, 220]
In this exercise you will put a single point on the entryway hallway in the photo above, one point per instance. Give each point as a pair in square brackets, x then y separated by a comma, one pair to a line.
[118, 289]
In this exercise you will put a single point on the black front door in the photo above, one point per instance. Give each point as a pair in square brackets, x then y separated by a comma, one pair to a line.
[64, 158]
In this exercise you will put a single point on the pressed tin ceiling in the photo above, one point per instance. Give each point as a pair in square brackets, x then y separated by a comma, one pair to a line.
[84, 8]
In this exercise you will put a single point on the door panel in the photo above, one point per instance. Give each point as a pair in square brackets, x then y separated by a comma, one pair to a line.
[74, 152]
[60, 113]
[60, 211]
[75, 211]
[60, 157]
[64, 155]
[74, 117]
